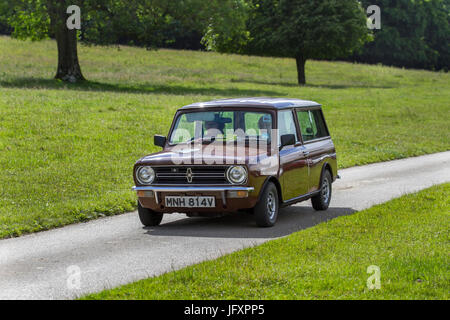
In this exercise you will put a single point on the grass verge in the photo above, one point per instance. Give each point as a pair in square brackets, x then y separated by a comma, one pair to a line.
[407, 238]
[67, 150]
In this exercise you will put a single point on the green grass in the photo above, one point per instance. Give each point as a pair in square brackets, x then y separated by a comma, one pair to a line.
[67, 151]
[407, 238]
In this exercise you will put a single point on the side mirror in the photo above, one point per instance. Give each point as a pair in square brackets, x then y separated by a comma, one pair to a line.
[160, 141]
[287, 140]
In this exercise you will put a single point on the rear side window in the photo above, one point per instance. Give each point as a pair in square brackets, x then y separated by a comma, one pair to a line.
[286, 125]
[312, 124]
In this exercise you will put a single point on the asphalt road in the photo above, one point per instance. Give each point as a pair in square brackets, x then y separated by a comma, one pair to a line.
[88, 257]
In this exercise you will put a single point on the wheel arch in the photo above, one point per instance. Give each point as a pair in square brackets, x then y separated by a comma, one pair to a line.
[326, 166]
[277, 184]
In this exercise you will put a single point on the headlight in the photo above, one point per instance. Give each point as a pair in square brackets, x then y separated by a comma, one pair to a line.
[237, 174]
[145, 175]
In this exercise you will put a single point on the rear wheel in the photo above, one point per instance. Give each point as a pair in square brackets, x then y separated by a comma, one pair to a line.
[149, 218]
[322, 200]
[266, 210]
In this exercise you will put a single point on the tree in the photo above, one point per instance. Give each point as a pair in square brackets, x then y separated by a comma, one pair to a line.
[304, 29]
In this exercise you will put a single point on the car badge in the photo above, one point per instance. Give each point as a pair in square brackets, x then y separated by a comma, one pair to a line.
[189, 175]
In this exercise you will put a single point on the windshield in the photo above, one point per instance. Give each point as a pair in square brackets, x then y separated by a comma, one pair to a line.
[222, 125]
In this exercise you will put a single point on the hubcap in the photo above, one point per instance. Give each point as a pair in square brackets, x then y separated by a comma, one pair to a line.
[271, 205]
[326, 190]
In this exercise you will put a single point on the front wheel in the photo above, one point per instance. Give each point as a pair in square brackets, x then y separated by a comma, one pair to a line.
[149, 218]
[321, 201]
[266, 210]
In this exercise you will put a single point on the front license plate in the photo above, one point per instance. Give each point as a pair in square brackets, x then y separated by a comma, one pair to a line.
[190, 202]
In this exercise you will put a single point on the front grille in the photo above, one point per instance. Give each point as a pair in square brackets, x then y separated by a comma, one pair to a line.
[196, 175]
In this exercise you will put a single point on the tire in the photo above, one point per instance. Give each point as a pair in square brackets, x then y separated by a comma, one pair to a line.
[321, 201]
[149, 218]
[266, 210]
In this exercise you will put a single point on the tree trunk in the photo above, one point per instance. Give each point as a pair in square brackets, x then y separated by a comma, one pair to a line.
[301, 61]
[68, 66]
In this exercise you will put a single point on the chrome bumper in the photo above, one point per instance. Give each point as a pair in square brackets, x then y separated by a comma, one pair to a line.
[222, 190]
[192, 189]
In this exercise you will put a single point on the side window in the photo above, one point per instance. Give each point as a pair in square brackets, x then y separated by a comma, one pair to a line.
[321, 128]
[286, 125]
[312, 124]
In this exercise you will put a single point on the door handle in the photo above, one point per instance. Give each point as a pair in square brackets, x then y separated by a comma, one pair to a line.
[306, 153]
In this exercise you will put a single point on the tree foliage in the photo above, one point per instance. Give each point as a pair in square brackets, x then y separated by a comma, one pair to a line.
[290, 28]
[414, 34]
[226, 30]
[29, 19]
[156, 23]
[5, 12]
[150, 23]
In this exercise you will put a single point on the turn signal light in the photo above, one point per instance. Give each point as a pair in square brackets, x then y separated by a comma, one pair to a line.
[237, 194]
[145, 194]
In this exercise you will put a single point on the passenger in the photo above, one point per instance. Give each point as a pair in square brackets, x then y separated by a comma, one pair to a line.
[265, 125]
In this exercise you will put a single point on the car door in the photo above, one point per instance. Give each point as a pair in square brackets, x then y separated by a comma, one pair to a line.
[317, 143]
[293, 162]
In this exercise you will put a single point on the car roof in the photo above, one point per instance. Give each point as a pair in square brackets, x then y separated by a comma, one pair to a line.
[276, 103]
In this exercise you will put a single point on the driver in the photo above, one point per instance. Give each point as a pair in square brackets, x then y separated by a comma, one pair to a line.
[213, 128]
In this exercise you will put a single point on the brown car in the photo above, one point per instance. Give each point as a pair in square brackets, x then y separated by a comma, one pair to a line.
[238, 155]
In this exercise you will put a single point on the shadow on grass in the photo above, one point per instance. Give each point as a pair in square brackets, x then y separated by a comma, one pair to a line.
[241, 225]
[309, 85]
[144, 88]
